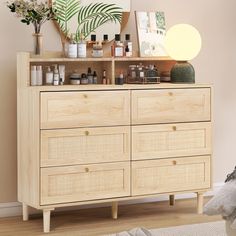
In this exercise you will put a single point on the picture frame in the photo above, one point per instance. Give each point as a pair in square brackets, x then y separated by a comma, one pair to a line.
[151, 29]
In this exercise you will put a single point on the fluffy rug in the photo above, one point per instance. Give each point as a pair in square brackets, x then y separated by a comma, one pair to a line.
[205, 229]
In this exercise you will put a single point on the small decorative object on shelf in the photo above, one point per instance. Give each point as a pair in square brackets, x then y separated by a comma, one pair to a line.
[75, 78]
[49, 76]
[89, 17]
[120, 79]
[56, 76]
[97, 50]
[33, 76]
[104, 77]
[138, 74]
[72, 47]
[32, 12]
[117, 49]
[128, 46]
[82, 47]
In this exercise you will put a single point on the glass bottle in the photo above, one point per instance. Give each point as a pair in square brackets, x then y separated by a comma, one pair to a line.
[90, 76]
[128, 46]
[104, 77]
[118, 47]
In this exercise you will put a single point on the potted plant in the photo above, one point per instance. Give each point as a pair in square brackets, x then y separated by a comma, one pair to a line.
[32, 12]
[89, 17]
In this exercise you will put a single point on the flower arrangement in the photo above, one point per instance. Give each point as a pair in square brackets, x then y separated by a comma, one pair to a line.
[32, 12]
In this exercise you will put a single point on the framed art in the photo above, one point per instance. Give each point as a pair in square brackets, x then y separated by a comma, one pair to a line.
[151, 33]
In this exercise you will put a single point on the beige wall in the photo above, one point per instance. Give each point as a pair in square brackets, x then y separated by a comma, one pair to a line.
[215, 19]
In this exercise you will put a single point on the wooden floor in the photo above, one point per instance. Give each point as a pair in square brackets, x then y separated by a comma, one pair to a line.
[90, 222]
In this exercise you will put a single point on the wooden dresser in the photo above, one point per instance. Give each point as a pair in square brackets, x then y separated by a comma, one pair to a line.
[107, 143]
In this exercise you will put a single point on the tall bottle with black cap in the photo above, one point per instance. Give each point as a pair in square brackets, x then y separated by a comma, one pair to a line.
[128, 46]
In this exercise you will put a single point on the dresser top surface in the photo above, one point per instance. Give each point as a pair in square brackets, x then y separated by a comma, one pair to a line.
[99, 87]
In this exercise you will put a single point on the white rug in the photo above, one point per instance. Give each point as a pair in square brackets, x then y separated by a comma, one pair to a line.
[205, 229]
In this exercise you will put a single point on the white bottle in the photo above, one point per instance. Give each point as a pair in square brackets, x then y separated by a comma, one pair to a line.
[62, 73]
[56, 77]
[33, 76]
[72, 48]
[82, 48]
[49, 76]
[39, 75]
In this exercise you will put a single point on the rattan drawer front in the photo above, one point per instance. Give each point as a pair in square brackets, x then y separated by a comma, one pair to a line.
[85, 146]
[84, 182]
[170, 175]
[83, 109]
[170, 105]
[171, 140]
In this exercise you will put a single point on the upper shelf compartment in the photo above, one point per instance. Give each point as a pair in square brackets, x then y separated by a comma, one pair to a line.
[91, 59]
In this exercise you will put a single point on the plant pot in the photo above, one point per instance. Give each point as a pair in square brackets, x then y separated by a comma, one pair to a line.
[38, 44]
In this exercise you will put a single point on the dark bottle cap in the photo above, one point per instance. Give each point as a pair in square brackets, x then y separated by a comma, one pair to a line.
[83, 76]
[94, 73]
[127, 37]
[93, 37]
[105, 37]
[89, 70]
[117, 37]
[127, 48]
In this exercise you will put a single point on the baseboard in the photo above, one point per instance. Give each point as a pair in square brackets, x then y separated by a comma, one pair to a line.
[15, 209]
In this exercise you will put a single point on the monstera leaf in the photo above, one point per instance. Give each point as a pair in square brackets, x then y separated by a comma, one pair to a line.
[65, 10]
[94, 15]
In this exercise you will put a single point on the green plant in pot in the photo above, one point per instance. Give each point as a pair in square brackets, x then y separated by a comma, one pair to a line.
[89, 17]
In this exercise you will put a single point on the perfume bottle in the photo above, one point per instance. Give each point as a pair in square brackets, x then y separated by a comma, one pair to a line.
[118, 47]
[90, 76]
[97, 50]
[95, 77]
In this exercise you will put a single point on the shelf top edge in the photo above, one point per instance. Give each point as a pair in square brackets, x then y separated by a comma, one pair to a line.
[56, 57]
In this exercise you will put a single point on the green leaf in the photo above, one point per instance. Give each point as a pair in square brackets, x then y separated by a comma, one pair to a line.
[94, 15]
[65, 10]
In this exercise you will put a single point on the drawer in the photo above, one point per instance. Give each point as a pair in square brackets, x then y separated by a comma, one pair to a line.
[82, 109]
[85, 146]
[170, 175]
[84, 182]
[171, 140]
[170, 105]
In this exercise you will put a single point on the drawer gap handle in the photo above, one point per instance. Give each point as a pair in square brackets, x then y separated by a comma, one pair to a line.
[86, 133]
[174, 163]
[87, 169]
[174, 128]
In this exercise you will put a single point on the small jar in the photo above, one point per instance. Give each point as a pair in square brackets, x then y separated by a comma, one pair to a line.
[97, 50]
[75, 79]
[84, 79]
[132, 71]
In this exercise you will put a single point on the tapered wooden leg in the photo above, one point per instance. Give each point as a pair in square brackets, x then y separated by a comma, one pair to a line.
[199, 203]
[25, 210]
[172, 200]
[114, 210]
[46, 220]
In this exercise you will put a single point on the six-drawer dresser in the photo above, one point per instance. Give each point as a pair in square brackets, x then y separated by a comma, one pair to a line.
[91, 144]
